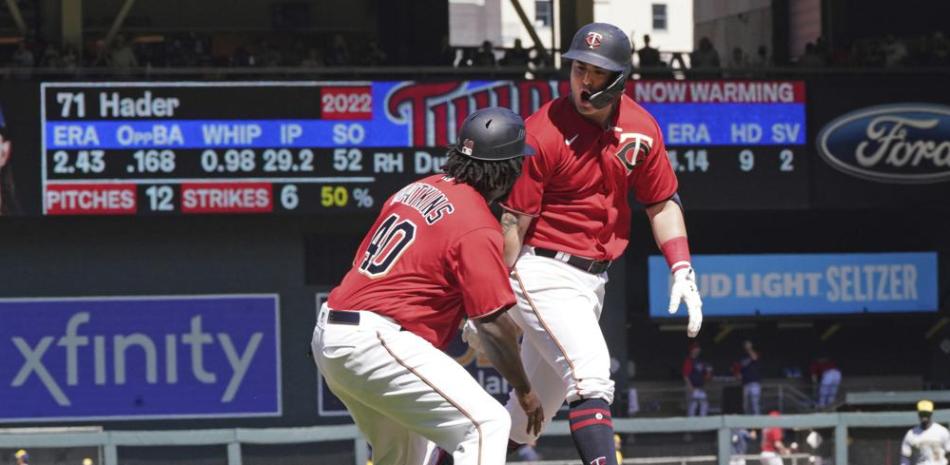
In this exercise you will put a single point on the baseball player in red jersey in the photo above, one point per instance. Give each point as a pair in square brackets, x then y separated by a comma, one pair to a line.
[432, 257]
[567, 218]
[773, 447]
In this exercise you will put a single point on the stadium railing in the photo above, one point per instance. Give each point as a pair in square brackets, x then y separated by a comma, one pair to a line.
[233, 438]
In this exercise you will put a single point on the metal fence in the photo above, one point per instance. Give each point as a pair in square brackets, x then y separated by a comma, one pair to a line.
[234, 438]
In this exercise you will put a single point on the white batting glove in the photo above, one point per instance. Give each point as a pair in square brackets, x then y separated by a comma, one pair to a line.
[684, 288]
[470, 335]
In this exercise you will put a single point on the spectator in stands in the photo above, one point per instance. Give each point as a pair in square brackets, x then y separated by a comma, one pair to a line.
[939, 49]
[695, 374]
[540, 57]
[822, 49]
[705, 59]
[740, 445]
[8, 202]
[649, 57]
[826, 377]
[516, 56]
[122, 57]
[22, 457]
[23, 61]
[243, 57]
[747, 370]
[70, 58]
[874, 54]
[811, 58]
[773, 448]
[738, 64]
[447, 53]
[761, 59]
[738, 59]
[339, 53]
[485, 55]
[270, 55]
[373, 55]
[23, 56]
[895, 51]
[314, 59]
[50, 57]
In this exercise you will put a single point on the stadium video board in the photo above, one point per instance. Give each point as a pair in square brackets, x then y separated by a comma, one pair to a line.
[142, 148]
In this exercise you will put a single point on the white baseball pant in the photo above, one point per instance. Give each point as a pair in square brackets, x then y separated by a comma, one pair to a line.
[563, 350]
[828, 390]
[770, 458]
[751, 396]
[402, 391]
[698, 403]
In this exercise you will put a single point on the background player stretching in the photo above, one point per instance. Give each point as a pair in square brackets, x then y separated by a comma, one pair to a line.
[568, 217]
[927, 443]
[433, 255]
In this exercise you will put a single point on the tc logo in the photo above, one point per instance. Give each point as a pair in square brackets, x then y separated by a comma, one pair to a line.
[635, 151]
[599, 461]
[593, 39]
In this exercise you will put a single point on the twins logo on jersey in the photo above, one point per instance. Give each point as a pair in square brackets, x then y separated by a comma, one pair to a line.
[635, 151]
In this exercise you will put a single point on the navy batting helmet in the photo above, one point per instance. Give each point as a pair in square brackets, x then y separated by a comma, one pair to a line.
[493, 134]
[605, 46]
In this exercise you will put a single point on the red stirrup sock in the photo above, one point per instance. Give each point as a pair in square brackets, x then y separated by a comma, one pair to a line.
[593, 431]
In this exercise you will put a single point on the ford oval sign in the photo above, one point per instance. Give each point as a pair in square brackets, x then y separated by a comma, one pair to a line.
[902, 143]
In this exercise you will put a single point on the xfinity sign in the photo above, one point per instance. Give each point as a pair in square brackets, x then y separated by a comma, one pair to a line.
[139, 358]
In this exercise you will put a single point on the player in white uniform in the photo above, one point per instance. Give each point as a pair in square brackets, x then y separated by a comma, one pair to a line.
[568, 217]
[927, 443]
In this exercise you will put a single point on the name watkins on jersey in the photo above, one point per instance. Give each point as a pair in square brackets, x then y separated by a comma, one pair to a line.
[72, 341]
[430, 202]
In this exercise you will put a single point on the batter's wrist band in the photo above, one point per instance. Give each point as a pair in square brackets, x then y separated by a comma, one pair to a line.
[676, 252]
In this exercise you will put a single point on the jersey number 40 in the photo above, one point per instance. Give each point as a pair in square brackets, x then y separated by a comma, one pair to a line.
[390, 240]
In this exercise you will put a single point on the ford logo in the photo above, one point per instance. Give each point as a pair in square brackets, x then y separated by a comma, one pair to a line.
[902, 143]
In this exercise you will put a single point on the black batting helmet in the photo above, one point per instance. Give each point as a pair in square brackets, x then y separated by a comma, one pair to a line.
[605, 46]
[493, 134]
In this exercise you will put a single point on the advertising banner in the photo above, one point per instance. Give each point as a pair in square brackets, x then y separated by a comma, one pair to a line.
[804, 284]
[111, 358]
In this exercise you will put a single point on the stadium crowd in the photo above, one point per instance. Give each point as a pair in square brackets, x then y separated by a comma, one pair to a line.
[221, 50]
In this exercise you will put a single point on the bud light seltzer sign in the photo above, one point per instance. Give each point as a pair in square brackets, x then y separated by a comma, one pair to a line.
[135, 358]
[902, 143]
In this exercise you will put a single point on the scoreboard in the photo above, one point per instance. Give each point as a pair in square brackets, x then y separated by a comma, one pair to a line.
[309, 147]
[252, 147]
[733, 144]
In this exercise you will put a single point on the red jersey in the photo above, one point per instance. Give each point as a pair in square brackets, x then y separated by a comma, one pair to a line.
[819, 367]
[769, 437]
[577, 183]
[433, 255]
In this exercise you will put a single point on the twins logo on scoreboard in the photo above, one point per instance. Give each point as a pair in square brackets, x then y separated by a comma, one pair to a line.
[435, 111]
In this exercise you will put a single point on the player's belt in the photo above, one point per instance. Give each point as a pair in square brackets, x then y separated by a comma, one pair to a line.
[581, 263]
[343, 318]
[355, 318]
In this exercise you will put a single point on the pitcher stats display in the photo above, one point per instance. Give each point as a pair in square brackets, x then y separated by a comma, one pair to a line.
[321, 147]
